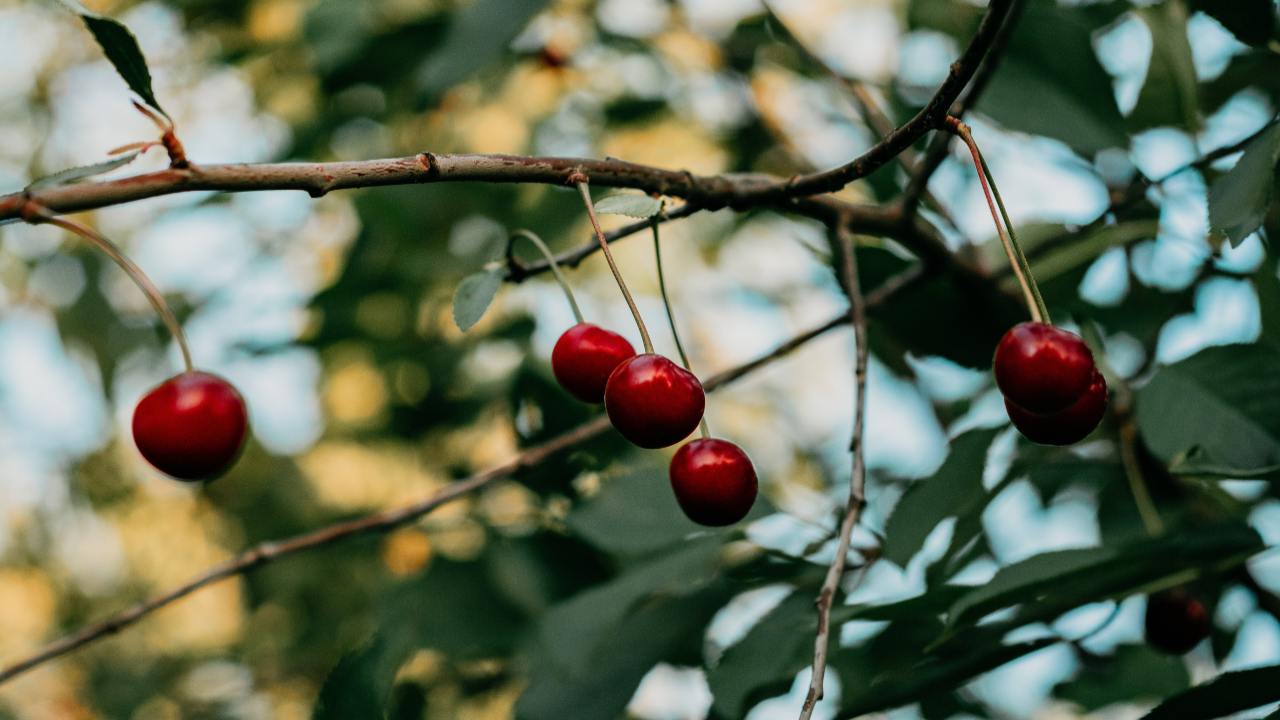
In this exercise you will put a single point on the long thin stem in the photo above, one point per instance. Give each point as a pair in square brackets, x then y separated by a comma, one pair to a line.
[551, 262]
[131, 269]
[613, 266]
[1017, 260]
[857, 478]
[671, 316]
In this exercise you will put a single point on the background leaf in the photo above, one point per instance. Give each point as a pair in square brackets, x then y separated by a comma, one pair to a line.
[1226, 694]
[1239, 200]
[1169, 95]
[474, 295]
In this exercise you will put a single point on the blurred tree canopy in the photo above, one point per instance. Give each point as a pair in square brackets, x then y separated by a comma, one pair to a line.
[577, 589]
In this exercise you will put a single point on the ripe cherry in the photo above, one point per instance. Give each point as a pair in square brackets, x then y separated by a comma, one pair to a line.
[653, 402]
[585, 356]
[1176, 621]
[191, 426]
[1064, 427]
[714, 481]
[1041, 368]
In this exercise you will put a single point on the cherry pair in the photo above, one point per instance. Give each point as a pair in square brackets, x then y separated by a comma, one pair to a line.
[654, 403]
[1052, 389]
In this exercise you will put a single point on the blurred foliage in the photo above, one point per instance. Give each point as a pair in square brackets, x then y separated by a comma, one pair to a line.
[555, 595]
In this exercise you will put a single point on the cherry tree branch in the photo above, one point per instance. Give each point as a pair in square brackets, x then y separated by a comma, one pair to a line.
[857, 479]
[387, 520]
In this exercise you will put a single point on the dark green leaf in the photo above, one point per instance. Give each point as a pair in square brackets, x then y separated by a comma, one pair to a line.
[1168, 95]
[1052, 84]
[1064, 579]
[360, 684]
[1252, 21]
[636, 205]
[953, 491]
[765, 661]
[1132, 673]
[1226, 400]
[70, 175]
[474, 295]
[1226, 694]
[478, 36]
[121, 48]
[1193, 463]
[1239, 200]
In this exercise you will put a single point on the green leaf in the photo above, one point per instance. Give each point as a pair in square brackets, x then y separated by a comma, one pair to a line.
[1052, 84]
[1239, 200]
[478, 36]
[765, 661]
[1225, 400]
[936, 674]
[474, 295]
[1064, 579]
[1252, 21]
[635, 513]
[1132, 673]
[1226, 694]
[954, 490]
[1168, 95]
[636, 205]
[71, 175]
[360, 684]
[121, 48]
[1194, 464]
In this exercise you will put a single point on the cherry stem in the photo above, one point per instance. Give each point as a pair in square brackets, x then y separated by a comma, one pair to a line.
[1017, 259]
[671, 317]
[613, 266]
[134, 272]
[551, 261]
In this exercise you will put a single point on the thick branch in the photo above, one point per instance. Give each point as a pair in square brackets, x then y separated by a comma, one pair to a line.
[857, 479]
[390, 519]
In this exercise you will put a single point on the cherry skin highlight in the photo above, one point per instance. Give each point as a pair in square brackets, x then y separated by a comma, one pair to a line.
[191, 427]
[1064, 427]
[1176, 621]
[585, 356]
[1041, 368]
[714, 482]
[653, 402]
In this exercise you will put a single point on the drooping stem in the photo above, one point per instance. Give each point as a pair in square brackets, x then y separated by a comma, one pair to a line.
[613, 265]
[551, 261]
[671, 316]
[1017, 259]
[131, 269]
[857, 479]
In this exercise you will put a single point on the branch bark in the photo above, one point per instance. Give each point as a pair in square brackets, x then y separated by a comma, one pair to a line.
[390, 519]
[857, 478]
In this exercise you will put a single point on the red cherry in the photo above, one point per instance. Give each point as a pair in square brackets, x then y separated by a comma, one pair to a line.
[653, 402]
[1041, 368]
[714, 482]
[585, 356]
[1064, 427]
[1176, 621]
[191, 426]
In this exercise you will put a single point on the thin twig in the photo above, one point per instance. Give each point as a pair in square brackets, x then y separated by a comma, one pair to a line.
[390, 519]
[857, 479]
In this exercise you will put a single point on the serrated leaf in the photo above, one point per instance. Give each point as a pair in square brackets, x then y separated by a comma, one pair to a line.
[1193, 463]
[953, 491]
[1168, 95]
[1224, 400]
[1222, 696]
[1239, 200]
[474, 295]
[634, 205]
[121, 49]
[71, 175]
